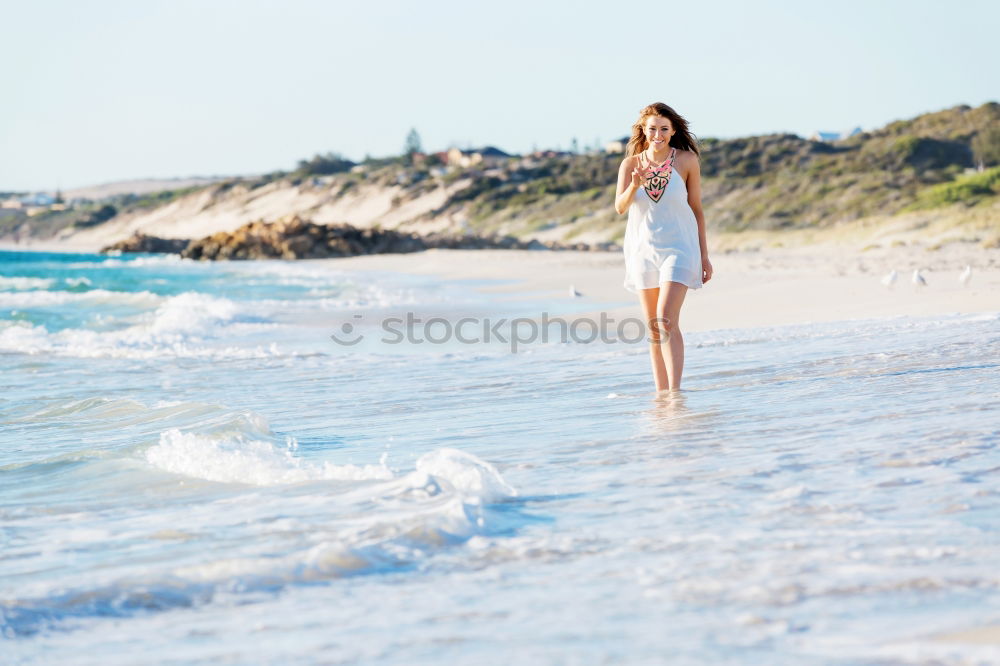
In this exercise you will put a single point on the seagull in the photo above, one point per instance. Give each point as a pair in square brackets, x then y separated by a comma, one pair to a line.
[965, 276]
[889, 279]
[573, 293]
[918, 279]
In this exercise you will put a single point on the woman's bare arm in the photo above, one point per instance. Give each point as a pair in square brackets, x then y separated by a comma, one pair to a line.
[693, 182]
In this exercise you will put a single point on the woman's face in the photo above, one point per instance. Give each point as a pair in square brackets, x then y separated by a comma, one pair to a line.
[658, 131]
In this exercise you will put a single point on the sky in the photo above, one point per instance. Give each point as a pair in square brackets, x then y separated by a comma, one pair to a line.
[108, 90]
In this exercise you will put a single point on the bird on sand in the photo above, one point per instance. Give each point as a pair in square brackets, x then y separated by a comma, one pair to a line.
[918, 279]
[965, 276]
[889, 279]
[573, 293]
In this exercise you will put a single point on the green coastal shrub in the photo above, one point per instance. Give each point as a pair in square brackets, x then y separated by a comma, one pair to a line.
[323, 165]
[969, 189]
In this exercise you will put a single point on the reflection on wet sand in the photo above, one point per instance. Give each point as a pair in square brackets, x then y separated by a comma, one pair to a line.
[673, 411]
[669, 410]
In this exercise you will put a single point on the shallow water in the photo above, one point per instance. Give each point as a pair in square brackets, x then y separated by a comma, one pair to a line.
[192, 468]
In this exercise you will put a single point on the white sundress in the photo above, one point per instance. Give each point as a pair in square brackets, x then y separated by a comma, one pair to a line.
[661, 237]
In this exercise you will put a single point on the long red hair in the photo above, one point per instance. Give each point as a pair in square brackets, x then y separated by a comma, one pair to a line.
[682, 139]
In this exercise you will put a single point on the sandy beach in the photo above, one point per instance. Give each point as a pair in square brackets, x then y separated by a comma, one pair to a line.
[769, 286]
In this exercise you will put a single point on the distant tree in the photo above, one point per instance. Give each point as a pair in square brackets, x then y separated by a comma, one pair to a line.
[322, 165]
[574, 146]
[102, 214]
[412, 143]
[986, 147]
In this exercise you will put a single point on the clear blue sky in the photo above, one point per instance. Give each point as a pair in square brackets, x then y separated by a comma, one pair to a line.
[106, 90]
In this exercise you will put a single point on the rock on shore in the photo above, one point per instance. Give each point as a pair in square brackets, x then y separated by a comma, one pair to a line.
[139, 242]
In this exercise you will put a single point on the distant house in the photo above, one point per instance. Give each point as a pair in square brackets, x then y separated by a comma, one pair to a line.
[616, 146]
[830, 137]
[38, 199]
[546, 154]
[487, 156]
[491, 153]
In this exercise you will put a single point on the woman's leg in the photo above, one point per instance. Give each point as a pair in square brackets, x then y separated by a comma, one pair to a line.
[672, 343]
[649, 299]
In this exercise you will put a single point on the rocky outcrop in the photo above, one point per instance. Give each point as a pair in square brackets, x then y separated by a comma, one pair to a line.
[295, 238]
[139, 242]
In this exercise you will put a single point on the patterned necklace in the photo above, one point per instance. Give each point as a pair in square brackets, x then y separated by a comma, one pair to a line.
[658, 176]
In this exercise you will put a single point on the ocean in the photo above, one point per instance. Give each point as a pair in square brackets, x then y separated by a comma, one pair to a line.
[263, 462]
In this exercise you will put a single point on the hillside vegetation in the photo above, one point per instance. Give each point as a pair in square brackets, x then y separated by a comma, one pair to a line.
[774, 181]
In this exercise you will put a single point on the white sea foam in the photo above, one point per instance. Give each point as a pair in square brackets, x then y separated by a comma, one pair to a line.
[139, 262]
[191, 312]
[77, 281]
[29, 299]
[240, 459]
[379, 296]
[134, 343]
[23, 283]
[466, 473]
[253, 460]
[286, 273]
[368, 297]
[182, 325]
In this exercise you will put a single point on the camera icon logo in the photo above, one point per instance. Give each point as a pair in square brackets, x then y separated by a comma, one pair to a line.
[347, 336]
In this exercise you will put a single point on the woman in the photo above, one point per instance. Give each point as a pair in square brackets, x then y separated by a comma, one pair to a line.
[666, 253]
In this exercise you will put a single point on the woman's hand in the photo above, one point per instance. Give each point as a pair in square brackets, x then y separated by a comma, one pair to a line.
[630, 179]
[706, 269]
[638, 176]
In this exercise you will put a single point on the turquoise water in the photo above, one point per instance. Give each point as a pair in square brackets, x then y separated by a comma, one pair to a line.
[193, 470]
